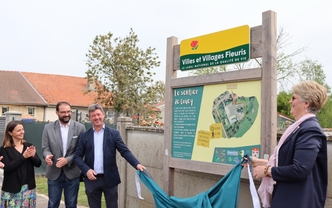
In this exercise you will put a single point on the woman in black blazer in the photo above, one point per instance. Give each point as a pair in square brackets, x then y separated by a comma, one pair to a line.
[19, 159]
[296, 173]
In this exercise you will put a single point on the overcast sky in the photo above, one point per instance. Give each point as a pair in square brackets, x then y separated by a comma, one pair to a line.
[53, 36]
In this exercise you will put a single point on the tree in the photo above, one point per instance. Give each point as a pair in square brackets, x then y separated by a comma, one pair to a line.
[312, 70]
[325, 114]
[283, 105]
[159, 90]
[309, 70]
[122, 71]
[286, 69]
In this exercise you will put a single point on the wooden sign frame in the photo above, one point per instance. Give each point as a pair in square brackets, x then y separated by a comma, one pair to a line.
[262, 45]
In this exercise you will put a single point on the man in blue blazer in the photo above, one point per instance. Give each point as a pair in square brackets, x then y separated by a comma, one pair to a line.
[96, 157]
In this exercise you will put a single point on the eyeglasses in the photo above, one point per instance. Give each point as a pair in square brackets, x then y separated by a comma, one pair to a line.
[293, 98]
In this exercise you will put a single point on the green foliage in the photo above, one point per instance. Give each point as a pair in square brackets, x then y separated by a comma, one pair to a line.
[312, 70]
[287, 70]
[325, 114]
[159, 89]
[124, 80]
[283, 105]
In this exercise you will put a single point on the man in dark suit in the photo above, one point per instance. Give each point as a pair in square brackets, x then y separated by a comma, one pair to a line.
[59, 143]
[98, 147]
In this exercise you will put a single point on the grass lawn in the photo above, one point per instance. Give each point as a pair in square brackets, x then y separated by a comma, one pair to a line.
[41, 183]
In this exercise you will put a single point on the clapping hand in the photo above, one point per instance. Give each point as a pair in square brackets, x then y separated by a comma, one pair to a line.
[61, 162]
[30, 152]
[48, 160]
[1, 164]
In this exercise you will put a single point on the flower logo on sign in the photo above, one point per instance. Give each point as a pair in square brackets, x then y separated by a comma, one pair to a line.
[194, 44]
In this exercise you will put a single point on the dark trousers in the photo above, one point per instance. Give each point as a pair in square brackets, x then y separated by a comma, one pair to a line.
[70, 188]
[94, 190]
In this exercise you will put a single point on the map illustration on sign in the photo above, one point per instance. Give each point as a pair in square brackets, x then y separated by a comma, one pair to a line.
[236, 113]
[216, 123]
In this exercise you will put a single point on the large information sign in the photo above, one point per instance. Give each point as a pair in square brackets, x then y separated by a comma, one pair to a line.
[219, 48]
[216, 123]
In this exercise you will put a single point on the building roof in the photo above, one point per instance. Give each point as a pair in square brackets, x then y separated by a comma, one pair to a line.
[161, 103]
[285, 117]
[15, 89]
[54, 88]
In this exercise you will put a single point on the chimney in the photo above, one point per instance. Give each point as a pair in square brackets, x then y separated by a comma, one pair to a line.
[91, 83]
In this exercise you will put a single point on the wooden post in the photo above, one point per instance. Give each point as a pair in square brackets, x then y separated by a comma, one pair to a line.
[269, 83]
[168, 182]
[122, 123]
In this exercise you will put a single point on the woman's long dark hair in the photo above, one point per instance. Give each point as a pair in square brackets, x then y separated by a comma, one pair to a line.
[8, 140]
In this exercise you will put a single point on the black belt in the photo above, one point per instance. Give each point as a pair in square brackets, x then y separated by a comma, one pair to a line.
[99, 175]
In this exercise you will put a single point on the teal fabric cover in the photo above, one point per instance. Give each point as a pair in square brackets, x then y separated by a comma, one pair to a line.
[222, 195]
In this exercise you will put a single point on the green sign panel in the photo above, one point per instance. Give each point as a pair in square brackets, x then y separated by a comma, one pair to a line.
[186, 108]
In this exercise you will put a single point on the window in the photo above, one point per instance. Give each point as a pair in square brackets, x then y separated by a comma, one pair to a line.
[4, 109]
[109, 114]
[31, 111]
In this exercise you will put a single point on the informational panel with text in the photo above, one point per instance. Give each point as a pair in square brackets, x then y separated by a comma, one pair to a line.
[217, 123]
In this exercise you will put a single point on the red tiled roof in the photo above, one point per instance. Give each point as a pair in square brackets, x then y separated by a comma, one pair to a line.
[160, 103]
[15, 89]
[156, 109]
[55, 88]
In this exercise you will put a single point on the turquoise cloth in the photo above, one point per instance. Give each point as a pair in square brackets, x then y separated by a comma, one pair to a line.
[222, 195]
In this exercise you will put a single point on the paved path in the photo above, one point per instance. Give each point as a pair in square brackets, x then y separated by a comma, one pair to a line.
[42, 201]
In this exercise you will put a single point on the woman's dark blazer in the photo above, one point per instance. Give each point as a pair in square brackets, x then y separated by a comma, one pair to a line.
[301, 175]
[11, 181]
